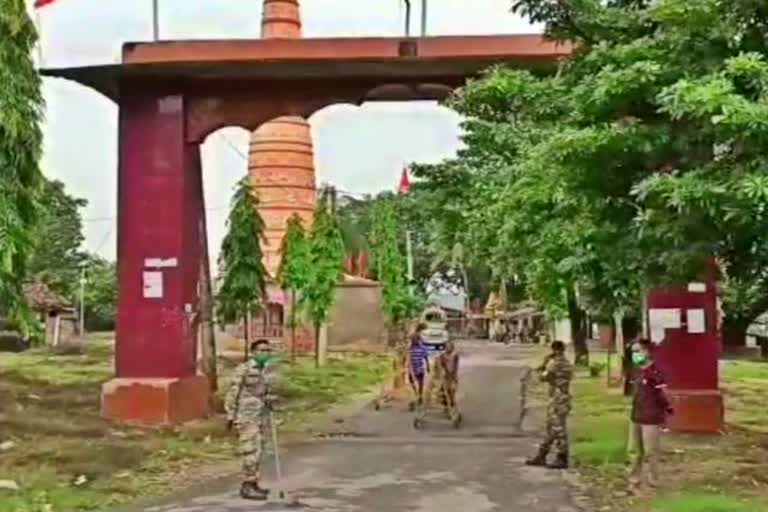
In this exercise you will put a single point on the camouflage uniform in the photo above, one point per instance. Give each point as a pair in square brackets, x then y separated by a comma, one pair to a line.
[557, 373]
[247, 403]
[447, 365]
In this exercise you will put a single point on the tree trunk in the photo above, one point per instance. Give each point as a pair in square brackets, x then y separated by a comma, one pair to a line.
[317, 345]
[247, 325]
[207, 329]
[735, 331]
[578, 319]
[465, 277]
[293, 325]
[322, 345]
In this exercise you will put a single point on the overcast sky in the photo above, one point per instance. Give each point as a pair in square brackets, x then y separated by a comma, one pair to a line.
[361, 150]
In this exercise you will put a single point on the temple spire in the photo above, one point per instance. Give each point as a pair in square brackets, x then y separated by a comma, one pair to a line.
[281, 19]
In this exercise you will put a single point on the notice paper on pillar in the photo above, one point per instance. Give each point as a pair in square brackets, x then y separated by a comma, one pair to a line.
[696, 321]
[153, 285]
[659, 320]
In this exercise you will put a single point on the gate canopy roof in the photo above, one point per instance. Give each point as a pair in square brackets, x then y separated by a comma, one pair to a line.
[446, 60]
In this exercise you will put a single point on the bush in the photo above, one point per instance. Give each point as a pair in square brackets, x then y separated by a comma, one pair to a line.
[596, 369]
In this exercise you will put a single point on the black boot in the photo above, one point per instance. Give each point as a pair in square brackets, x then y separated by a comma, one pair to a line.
[561, 462]
[539, 460]
[252, 491]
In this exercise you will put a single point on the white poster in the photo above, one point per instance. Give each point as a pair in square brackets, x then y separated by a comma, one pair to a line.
[696, 321]
[153, 285]
[659, 320]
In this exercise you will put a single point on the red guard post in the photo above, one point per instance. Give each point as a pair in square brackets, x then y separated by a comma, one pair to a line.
[689, 354]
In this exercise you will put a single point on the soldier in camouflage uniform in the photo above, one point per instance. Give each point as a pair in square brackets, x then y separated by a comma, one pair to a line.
[248, 402]
[557, 372]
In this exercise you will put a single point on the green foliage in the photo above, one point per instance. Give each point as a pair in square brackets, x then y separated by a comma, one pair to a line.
[56, 258]
[390, 263]
[596, 368]
[241, 266]
[326, 259]
[100, 294]
[21, 105]
[640, 159]
[294, 266]
[294, 270]
[431, 246]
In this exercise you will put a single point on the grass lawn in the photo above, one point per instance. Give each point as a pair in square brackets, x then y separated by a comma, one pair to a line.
[727, 473]
[66, 458]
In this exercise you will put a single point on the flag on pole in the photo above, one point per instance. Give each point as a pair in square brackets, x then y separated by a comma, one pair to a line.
[42, 3]
[405, 182]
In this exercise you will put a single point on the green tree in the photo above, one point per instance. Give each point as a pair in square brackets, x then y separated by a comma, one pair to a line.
[415, 214]
[100, 293]
[642, 158]
[399, 301]
[294, 270]
[56, 258]
[241, 262]
[326, 260]
[21, 105]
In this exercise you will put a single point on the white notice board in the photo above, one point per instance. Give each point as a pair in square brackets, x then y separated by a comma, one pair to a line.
[696, 321]
[153, 284]
[659, 320]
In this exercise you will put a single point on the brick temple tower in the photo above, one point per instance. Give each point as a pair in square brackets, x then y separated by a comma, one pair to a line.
[281, 156]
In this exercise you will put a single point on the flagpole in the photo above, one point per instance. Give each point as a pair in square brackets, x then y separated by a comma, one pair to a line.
[155, 21]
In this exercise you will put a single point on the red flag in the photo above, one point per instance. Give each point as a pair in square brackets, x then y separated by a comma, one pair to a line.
[405, 183]
[42, 3]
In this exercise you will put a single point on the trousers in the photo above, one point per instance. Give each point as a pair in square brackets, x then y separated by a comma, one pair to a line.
[557, 434]
[646, 441]
[251, 447]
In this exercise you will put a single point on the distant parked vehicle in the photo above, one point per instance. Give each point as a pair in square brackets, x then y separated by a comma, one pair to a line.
[436, 334]
[759, 330]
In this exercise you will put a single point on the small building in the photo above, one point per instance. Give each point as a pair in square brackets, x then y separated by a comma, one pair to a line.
[57, 316]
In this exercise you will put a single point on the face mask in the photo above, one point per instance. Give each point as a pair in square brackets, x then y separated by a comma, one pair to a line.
[639, 358]
[261, 359]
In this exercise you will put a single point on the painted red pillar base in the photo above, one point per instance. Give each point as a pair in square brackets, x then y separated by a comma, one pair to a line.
[160, 250]
[688, 332]
[697, 411]
[155, 402]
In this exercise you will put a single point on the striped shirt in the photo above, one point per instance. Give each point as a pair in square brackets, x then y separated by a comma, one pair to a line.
[419, 357]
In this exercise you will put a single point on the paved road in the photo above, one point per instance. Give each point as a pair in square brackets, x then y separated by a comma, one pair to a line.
[376, 461]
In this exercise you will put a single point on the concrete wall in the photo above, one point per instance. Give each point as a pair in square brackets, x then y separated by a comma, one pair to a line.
[356, 320]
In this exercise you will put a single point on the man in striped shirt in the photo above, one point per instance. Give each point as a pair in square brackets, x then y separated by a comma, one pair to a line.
[418, 363]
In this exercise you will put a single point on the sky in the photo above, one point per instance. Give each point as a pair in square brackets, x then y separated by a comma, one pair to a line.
[359, 149]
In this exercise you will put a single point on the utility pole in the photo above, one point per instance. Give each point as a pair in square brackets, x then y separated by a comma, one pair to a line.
[424, 18]
[409, 256]
[82, 301]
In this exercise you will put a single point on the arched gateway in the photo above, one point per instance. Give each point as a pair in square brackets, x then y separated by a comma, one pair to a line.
[171, 95]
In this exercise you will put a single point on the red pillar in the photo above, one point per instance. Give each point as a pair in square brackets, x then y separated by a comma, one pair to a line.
[690, 358]
[160, 205]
